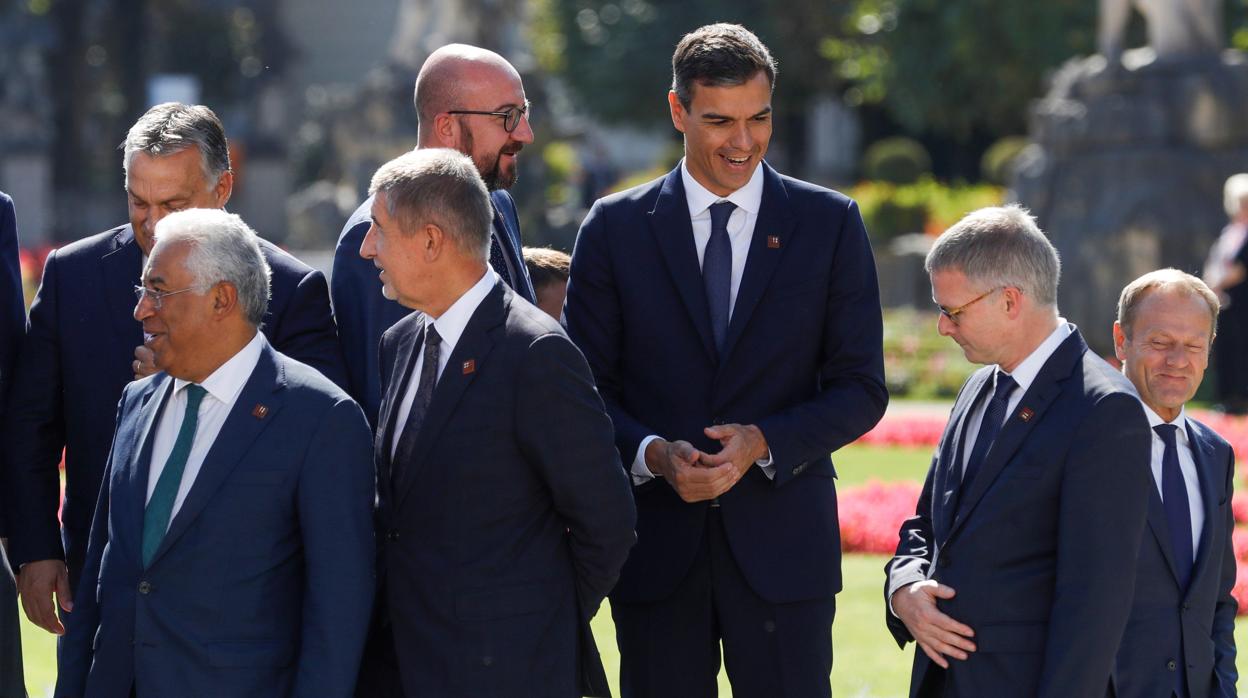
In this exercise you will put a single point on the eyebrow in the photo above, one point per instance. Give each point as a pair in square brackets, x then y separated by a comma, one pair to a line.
[713, 115]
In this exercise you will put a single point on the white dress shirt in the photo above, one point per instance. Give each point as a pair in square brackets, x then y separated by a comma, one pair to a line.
[450, 326]
[223, 387]
[748, 200]
[1187, 465]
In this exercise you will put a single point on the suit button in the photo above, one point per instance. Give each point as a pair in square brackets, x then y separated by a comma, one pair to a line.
[1172, 665]
[1186, 606]
[487, 661]
[145, 587]
[392, 535]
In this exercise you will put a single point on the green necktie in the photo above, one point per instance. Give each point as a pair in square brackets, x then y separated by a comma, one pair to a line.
[160, 506]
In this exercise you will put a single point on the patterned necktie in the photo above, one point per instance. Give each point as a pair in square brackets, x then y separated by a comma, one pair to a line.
[498, 260]
[160, 506]
[420, 405]
[989, 427]
[1174, 501]
[717, 270]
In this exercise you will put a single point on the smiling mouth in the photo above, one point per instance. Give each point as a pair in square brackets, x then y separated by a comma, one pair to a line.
[149, 337]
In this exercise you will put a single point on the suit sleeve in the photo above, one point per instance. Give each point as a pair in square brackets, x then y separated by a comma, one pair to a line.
[1101, 516]
[851, 397]
[12, 315]
[593, 321]
[915, 548]
[308, 333]
[335, 500]
[1226, 606]
[34, 432]
[566, 435]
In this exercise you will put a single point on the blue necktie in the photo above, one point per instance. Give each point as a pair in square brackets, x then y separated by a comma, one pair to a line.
[717, 270]
[1174, 501]
[989, 427]
[160, 506]
[420, 406]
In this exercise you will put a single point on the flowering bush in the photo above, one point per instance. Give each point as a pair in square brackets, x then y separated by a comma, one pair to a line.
[871, 515]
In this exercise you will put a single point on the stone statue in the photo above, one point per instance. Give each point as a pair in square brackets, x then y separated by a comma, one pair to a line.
[1176, 28]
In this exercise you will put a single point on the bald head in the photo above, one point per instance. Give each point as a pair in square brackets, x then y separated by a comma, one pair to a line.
[458, 75]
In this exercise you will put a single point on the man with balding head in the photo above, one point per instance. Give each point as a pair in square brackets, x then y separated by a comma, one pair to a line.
[1180, 639]
[467, 99]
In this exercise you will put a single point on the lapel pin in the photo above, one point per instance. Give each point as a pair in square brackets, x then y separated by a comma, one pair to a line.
[1026, 414]
[470, 366]
[773, 242]
[260, 411]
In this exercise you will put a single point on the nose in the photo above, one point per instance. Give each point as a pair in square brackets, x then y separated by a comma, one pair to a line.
[944, 325]
[368, 246]
[1177, 356]
[741, 138]
[145, 308]
[523, 132]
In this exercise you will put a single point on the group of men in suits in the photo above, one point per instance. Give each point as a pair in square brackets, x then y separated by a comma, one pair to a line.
[455, 535]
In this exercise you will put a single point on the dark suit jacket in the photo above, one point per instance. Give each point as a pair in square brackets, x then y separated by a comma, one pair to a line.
[1040, 547]
[802, 360]
[363, 313]
[12, 314]
[513, 518]
[76, 360]
[263, 584]
[1195, 626]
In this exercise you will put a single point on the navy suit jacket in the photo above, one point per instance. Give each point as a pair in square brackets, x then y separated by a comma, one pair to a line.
[512, 518]
[363, 313]
[75, 361]
[12, 313]
[1196, 625]
[1041, 546]
[802, 360]
[263, 584]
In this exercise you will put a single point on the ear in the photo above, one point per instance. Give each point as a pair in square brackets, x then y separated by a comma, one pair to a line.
[1120, 343]
[1013, 301]
[224, 300]
[225, 187]
[446, 129]
[678, 111]
[433, 242]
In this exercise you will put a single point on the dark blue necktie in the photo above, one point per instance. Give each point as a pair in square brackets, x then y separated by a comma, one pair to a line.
[497, 259]
[420, 405]
[160, 507]
[717, 270]
[1174, 500]
[989, 426]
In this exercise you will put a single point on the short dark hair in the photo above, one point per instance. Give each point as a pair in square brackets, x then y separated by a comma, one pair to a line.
[172, 127]
[719, 55]
[439, 186]
[547, 266]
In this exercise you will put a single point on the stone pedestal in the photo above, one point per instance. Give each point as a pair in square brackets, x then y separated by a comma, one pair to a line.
[1126, 171]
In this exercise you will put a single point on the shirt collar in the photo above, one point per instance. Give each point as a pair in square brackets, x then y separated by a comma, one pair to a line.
[1180, 421]
[699, 198]
[228, 380]
[1025, 373]
[451, 324]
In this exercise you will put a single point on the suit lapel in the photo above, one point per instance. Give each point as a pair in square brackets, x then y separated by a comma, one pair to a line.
[1157, 524]
[474, 345]
[139, 466]
[122, 267]
[1035, 402]
[405, 356]
[673, 233]
[772, 229]
[509, 239]
[948, 479]
[1204, 457]
[237, 434]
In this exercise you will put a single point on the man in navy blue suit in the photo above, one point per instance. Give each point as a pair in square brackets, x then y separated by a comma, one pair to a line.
[12, 327]
[731, 316]
[232, 548]
[1180, 639]
[471, 100]
[83, 346]
[505, 511]
[1014, 575]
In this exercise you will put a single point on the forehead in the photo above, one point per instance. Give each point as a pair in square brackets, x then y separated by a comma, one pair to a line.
[489, 86]
[950, 284]
[1173, 311]
[177, 170]
[750, 97]
[166, 262]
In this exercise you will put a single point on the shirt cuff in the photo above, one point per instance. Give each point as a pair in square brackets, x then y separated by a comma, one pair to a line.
[767, 466]
[641, 474]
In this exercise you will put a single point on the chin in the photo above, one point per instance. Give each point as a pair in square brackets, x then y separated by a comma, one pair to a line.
[388, 293]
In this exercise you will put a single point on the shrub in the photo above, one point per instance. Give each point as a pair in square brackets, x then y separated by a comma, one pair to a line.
[927, 205]
[997, 164]
[899, 160]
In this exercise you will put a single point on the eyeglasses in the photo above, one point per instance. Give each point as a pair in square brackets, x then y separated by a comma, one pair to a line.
[953, 313]
[511, 115]
[157, 297]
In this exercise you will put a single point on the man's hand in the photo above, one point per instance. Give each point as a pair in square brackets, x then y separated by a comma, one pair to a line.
[36, 582]
[678, 463]
[939, 635]
[741, 446]
[144, 363]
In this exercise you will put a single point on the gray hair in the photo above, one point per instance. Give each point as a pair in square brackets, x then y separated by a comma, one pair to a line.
[1000, 246]
[1234, 194]
[221, 248]
[173, 127]
[439, 186]
[1165, 280]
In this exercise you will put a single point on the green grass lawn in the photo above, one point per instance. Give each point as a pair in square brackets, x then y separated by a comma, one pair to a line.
[867, 662]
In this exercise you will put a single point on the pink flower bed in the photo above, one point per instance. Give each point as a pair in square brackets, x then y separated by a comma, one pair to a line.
[871, 515]
[912, 429]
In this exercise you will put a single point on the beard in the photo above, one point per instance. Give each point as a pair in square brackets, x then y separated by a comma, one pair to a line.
[491, 170]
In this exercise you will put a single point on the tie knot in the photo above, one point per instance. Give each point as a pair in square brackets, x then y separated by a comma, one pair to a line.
[1167, 432]
[194, 395]
[432, 338]
[1005, 385]
[720, 213]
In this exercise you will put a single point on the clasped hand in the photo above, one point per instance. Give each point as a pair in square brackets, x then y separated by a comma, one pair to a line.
[699, 476]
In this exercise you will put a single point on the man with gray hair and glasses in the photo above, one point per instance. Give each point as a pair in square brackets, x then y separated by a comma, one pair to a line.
[83, 347]
[1014, 576]
[232, 548]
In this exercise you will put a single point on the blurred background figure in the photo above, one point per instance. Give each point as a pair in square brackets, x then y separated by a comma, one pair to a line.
[1225, 272]
[549, 270]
